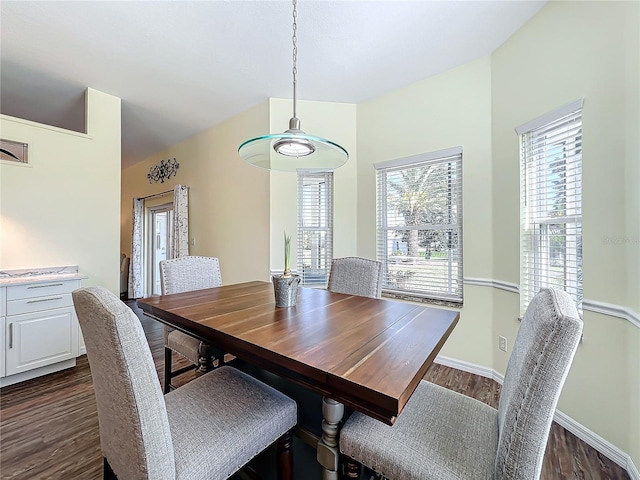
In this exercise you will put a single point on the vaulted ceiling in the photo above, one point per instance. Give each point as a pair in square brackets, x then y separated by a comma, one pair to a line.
[181, 67]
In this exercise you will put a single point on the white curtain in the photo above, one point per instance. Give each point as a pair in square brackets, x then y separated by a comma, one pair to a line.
[180, 237]
[135, 266]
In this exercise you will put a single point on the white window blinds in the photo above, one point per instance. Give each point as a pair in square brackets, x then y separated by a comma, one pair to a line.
[315, 224]
[551, 204]
[419, 225]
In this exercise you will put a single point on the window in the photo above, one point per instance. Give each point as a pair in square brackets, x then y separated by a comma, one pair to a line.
[419, 226]
[551, 204]
[315, 223]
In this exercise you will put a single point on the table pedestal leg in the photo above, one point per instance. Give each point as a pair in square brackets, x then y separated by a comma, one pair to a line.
[327, 451]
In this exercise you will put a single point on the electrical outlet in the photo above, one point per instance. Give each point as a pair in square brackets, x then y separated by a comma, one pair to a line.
[502, 343]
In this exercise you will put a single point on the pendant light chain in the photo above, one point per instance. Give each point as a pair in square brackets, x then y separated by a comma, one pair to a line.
[293, 149]
[295, 53]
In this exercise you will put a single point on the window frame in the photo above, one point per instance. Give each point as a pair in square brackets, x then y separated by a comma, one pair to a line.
[453, 296]
[546, 143]
[323, 210]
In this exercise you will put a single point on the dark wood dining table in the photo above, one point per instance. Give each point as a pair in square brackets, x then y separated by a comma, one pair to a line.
[366, 353]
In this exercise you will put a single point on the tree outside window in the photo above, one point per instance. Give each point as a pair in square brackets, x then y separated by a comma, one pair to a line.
[420, 227]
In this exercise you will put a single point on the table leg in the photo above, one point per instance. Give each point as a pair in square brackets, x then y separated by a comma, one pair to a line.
[327, 451]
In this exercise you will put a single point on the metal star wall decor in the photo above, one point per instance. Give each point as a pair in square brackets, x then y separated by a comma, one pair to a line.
[158, 173]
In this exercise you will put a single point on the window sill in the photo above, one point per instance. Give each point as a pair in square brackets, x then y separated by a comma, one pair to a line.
[407, 297]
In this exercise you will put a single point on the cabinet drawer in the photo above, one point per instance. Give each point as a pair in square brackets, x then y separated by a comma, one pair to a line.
[53, 287]
[36, 304]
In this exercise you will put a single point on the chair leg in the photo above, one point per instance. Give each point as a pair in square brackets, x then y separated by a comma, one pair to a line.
[205, 364]
[107, 472]
[168, 355]
[285, 457]
[351, 468]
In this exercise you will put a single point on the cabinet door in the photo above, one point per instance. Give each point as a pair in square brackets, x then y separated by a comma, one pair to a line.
[40, 338]
[2, 348]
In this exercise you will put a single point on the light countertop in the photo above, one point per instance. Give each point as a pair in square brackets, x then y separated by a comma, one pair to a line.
[39, 275]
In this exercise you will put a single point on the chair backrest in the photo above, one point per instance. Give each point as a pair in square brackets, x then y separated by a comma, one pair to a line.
[185, 274]
[356, 276]
[134, 427]
[538, 366]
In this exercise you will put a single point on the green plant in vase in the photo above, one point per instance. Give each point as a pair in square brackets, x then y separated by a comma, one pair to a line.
[285, 286]
[287, 255]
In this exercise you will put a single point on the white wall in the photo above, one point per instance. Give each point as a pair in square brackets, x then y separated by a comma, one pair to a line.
[335, 122]
[64, 209]
[593, 47]
[228, 199]
[572, 50]
[238, 212]
[632, 207]
[569, 50]
[448, 110]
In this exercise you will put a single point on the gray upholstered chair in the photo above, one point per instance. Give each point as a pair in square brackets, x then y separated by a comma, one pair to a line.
[444, 435]
[209, 428]
[356, 276]
[179, 275]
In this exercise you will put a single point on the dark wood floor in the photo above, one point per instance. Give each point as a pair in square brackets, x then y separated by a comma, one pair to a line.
[49, 425]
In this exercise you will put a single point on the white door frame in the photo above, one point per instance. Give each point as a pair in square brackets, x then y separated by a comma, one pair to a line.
[150, 256]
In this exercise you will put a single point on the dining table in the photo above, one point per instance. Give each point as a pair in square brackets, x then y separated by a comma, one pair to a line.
[366, 353]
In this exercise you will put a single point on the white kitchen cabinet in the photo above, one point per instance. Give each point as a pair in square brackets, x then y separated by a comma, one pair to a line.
[40, 332]
[3, 306]
[41, 338]
[2, 324]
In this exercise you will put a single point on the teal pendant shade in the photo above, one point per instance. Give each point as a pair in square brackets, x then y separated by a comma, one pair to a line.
[261, 152]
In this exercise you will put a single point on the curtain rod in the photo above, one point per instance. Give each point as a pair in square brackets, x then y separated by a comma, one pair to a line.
[156, 195]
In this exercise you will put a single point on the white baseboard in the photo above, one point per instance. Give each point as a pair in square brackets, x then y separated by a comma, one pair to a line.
[583, 433]
[632, 470]
[593, 439]
[470, 368]
[465, 366]
[37, 372]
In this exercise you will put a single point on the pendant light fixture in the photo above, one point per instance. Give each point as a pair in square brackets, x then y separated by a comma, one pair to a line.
[293, 149]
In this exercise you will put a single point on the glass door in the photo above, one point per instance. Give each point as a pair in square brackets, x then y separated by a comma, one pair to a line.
[160, 236]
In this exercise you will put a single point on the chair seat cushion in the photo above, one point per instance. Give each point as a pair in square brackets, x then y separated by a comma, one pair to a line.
[184, 344]
[440, 435]
[309, 402]
[226, 412]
